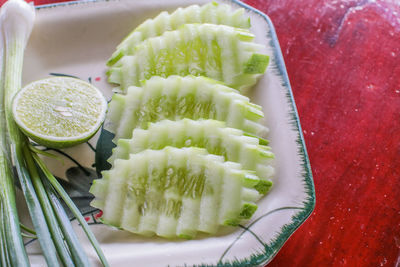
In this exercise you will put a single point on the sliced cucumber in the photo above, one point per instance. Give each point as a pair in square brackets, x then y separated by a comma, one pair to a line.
[220, 52]
[178, 97]
[212, 135]
[175, 192]
[210, 13]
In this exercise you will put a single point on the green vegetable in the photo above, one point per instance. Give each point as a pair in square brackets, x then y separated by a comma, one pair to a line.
[210, 13]
[220, 52]
[178, 97]
[212, 135]
[13, 250]
[175, 193]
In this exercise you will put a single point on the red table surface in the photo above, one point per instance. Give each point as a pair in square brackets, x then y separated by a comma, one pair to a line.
[343, 58]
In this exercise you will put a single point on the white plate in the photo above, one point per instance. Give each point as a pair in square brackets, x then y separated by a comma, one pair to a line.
[77, 38]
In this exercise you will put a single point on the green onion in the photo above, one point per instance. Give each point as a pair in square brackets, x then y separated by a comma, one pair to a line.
[27, 229]
[13, 250]
[4, 259]
[29, 236]
[35, 210]
[77, 251]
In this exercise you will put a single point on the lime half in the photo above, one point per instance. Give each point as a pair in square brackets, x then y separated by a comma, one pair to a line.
[59, 112]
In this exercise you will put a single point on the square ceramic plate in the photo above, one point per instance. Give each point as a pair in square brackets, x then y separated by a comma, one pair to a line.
[76, 39]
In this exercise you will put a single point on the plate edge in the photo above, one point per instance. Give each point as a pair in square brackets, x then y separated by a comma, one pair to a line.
[298, 219]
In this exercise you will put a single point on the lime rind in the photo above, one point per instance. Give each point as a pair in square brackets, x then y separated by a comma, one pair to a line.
[59, 112]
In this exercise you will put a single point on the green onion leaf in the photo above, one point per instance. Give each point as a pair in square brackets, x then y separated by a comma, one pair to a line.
[77, 252]
[35, 211]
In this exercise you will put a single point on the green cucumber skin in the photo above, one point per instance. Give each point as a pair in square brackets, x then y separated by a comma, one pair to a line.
[186, 188]
[212, 135]
[177, 98]
[220, 52]
[210, 13]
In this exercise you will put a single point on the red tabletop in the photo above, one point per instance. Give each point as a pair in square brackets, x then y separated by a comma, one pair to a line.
[343, 58]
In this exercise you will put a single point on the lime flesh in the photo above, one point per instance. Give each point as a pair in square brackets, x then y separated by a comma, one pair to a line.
[59, 112]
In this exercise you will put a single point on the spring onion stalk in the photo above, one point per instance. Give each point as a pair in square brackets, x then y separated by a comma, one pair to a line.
[29, 236]
[4, 258]
[44, 153]
[35, 210]
[75, 247]
[3, 253]
[12, 244]
[27, 229]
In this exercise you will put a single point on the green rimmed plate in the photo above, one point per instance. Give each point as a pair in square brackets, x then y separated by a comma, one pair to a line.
[77, 38]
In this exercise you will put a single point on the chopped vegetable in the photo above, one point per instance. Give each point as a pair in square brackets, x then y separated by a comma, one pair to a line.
[175, 192]
[179, 97]
[219, 52]
[210, 13]
[212, 135]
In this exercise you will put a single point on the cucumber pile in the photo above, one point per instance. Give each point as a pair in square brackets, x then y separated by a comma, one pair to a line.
[191, 154]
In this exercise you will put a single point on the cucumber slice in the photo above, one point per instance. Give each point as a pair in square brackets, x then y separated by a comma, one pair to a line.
[179, 97]
[210, 13]
[220, 52]
[175, 192]
[212, 135]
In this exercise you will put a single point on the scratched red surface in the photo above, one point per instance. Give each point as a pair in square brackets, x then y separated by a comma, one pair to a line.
[343, 58]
